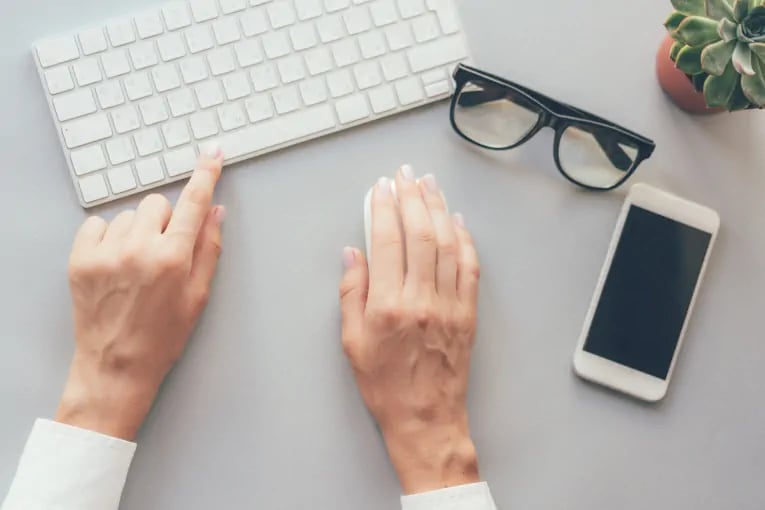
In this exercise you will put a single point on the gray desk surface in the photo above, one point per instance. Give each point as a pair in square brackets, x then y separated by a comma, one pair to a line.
[262, 411]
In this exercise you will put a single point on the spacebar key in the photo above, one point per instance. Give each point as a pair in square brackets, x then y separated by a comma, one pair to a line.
[286, 128]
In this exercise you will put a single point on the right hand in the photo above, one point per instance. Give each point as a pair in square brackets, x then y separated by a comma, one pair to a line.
[408, 328]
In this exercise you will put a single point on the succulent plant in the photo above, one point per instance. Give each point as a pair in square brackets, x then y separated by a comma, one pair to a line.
[720, 45]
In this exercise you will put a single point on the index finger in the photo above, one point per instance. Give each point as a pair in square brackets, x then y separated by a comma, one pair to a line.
[195, 201]
[386, 257]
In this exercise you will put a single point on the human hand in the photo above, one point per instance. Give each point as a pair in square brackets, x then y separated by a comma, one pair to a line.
[138, 287]
[408, 328]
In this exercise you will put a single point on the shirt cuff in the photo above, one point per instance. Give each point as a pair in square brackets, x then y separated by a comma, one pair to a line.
[69, 468]
[474, 496]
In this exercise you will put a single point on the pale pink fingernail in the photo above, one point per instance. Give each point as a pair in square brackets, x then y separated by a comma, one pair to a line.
[349, 257]
[219, 214]
[212, 150]
[407, 172]
[430, 183]
[384, 186]
[459, 220]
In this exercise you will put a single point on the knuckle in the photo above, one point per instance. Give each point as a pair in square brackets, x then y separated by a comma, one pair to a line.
[350, 346]
[387, 315]
[424, 316]
[170, 260]
[199, 195]
[448, 248]
[473, 270]
[424, 234]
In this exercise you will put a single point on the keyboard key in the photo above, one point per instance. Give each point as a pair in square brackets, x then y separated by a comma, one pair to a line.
[345, 52]
[340, 83]
[86, 130]
[425, 28]
[121, 179]
[92, 41]
[291, 69]
[115, 63]
[120, 32]
[276, 44]
[176, 15]
[280, 14]
[88, 159]
[399, 37]
[226, 31]
[180, 161]
[137, 86]
[433, 76]
[254, 23]
[221, 61]
[357, 20]
[352, 109]
[367, 75]
[303, 37]
[199, 38]
[236, 86]
[447, 17]
[109, 94]
[383, 99]
[394, 66]
[74, 104]
[203, 125]
[93, 187]
[286, 99]
[171, 47]
[231, 117]
[277, 131]
[308, 9]
[149, 171]
[438, 89]
[165, 78]
[208, 94]
[193, 69]
[336, 5]
[330, 28]
[148, 141]
[120, 151]
[372, 45]
[411, 8]
[248, 52]
[125, 119]
[318, 61]
[384, 12]
[153, 111]
[409, 91]
[57, 51]
[229, 6]
[176, 133]
[259, 108]
[181, 102]
[204, 10]
[313, 91]
[264, 77]
[59, 80]
[148, 24]
[143, 55]
[436, 54]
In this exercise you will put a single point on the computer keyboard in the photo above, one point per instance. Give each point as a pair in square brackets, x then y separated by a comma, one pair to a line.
[135, 99]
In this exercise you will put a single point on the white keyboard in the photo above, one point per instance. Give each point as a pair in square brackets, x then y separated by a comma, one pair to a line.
[136, 99]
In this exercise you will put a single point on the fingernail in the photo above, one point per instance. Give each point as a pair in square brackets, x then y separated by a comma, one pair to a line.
[219, 214]
[349, 257]
[430, 183]
[212, 149]
[459, 220]
[384, 186]
[407, 172]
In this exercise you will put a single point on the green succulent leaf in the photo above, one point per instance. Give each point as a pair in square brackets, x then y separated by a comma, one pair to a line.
[741, 9]
[719, 9]
[742, 59]
[715, 57]
[689, 60]
[719, 89]
[690, 7]
[738, 101]
[675, 50]
[727, 30]
[753, 27]
[754, 86]
[758, 49]
[698, 31]
[698, 81]
[674, 20]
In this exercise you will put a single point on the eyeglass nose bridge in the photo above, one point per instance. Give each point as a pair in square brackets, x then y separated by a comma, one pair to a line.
[551, 121]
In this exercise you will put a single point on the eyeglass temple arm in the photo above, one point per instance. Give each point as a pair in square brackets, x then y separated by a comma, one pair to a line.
[615, 154]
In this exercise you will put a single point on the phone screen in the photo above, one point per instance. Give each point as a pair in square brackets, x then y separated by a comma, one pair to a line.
[647, 292]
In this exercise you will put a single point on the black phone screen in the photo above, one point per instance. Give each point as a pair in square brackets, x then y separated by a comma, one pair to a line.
[647, 292]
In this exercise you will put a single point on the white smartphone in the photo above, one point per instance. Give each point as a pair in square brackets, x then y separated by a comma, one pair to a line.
[645, 295]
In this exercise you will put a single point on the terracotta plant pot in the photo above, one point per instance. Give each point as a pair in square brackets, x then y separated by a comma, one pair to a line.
[677, 85]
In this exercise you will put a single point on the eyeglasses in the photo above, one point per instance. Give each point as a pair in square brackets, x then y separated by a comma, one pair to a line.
[589, 151]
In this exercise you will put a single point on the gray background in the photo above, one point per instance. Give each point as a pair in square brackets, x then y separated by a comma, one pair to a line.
[262, 411]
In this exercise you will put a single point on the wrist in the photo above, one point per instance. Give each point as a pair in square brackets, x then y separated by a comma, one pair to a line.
[432, 457]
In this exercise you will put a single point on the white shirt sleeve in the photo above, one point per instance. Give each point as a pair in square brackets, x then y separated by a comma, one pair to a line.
[473, 496]
[68, 468]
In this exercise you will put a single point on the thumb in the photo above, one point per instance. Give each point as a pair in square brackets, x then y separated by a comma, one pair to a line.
[207, 249]
[353, 293]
